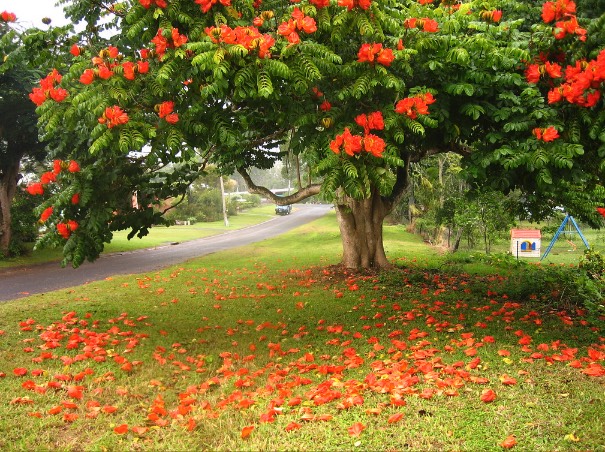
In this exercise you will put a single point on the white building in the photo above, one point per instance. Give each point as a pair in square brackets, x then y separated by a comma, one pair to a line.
[525, 242]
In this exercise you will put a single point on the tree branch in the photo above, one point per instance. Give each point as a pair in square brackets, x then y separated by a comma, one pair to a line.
[300, 195]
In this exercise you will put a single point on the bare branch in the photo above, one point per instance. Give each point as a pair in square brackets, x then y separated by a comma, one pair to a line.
[300, 195]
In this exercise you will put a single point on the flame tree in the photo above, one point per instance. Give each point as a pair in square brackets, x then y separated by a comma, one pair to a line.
[358, 89]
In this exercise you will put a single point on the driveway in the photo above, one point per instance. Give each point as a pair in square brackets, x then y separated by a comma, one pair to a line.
[23, 281]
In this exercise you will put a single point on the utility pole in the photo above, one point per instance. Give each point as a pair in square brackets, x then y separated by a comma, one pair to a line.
[220, 178]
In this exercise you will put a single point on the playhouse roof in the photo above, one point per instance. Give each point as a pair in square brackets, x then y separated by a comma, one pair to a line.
[525, 234]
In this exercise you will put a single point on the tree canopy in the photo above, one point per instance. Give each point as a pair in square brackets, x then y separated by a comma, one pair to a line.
[357, 88]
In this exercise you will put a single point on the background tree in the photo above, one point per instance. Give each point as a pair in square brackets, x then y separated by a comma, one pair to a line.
[359, 89]
[24, 56]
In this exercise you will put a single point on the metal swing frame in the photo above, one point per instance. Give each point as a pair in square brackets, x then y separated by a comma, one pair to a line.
[568, 218]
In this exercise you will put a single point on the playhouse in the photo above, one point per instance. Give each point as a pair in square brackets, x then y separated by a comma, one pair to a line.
[525, 242]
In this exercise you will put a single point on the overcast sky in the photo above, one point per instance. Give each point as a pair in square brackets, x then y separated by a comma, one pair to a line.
[31, 12]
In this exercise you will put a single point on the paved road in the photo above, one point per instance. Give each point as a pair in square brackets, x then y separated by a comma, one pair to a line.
[23, 281]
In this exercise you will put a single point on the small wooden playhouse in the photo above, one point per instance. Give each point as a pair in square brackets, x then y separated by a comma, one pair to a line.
[525, 242]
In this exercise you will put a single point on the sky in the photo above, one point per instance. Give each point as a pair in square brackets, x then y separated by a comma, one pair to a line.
[31, 12]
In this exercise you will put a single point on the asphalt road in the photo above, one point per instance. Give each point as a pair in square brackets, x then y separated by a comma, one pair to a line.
[23, 281]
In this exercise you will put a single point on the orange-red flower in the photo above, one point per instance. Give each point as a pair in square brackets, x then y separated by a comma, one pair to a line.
[425, 24]
[128, 67]
[493, 16]
[557, 10]
[374, 145]
[48, 177]
[35, 189]
[46, 214]
[8, 17]
[297, 22]
[87, 77]
[165, 111]
[488, 395]
[371, 53]
[325, 106]
[350, 4]
[113, 116]
[75, 50]
[547, 135]
[159, 3]
[48, 89]
[415, 105]
[509, 442]
[73, 167]
[37, 96]
[205, 5]
[350, 144]
[371, 121]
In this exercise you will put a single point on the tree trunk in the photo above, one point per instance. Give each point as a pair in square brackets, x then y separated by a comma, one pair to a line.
[8, 186]
[360, 223]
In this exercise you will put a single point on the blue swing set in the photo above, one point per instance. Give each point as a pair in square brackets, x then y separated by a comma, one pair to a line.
[569, 222]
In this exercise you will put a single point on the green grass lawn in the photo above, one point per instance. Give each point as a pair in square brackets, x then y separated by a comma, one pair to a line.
[274, 347]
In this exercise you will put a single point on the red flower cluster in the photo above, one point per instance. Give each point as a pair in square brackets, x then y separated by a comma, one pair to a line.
[46, 214]
[106, 61]
[159, 3]
[248, 37]
[426, 24]
[48, 89]
[113, 116]
[372, 121]
[564, 12]
[205, 5]
[601, 210]
[354, 144]
[165, 111]
[351, 144]
[37, 188]
[569, 27]
[320, 3]
[75, 50]
[298, 22]
[415, 105]
[350, 4]
[375, 53]
[582, 82]
[162, 43]
[558, 10]
[535, 71]
[547, 135]
[493, 16]
[8, 17]
[65, 229]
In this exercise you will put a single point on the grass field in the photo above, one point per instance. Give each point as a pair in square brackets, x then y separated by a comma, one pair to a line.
[274, 347]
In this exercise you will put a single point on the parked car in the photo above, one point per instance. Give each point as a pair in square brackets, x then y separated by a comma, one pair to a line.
[283, 210]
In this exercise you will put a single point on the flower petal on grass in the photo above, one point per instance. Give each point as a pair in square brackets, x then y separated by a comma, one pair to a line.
[509, 442]
[121, 429]
[246, 431]
[356, 429]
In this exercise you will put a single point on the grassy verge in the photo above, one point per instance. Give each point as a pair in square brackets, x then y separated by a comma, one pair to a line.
[272, 347]
[157, 236]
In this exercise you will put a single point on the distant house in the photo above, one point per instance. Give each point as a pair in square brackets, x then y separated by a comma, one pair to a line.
[525, 242]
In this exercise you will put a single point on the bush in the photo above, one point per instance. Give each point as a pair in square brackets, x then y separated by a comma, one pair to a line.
[560, 287]
[205, 205]
[24, 223]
